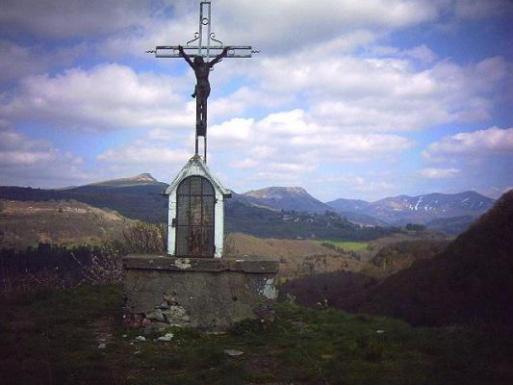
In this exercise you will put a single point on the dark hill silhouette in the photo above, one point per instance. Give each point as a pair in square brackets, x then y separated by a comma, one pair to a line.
[470, 281]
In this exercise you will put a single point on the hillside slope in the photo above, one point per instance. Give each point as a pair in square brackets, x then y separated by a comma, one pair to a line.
[287, 198]
[144, 202]
[26, 223]
[297, 257]
[472, 280]
[245, 217]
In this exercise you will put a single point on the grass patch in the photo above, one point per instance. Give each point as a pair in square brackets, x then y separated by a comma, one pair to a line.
[345, 245]
[52, 338]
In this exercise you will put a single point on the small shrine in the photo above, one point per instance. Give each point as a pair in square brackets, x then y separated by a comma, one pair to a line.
[195, 284]
[196, 212]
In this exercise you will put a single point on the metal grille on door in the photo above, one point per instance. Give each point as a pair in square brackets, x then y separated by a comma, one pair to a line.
[195, 200]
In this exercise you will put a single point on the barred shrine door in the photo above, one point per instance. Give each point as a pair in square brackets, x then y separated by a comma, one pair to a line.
[195, 200]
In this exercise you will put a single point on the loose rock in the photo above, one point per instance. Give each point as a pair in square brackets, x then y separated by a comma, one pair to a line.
[233, 353]
[166, 338]
[156, 315]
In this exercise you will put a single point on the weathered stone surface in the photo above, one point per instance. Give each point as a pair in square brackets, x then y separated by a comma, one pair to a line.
[157, 262]
[210, 294]
[156, 315]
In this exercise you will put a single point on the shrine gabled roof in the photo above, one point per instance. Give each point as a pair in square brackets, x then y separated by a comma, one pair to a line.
[196, 167]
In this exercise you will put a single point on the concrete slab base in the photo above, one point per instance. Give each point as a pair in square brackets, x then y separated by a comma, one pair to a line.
[210, 294]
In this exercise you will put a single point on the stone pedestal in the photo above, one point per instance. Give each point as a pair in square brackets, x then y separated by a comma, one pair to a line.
[205, 293]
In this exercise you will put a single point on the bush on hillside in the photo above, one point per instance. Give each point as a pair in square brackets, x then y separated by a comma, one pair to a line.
[144, 238]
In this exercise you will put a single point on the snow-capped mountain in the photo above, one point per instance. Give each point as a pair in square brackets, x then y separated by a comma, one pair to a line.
[404, 209]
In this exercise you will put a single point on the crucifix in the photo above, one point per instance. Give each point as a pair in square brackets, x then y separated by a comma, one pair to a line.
[199, 58]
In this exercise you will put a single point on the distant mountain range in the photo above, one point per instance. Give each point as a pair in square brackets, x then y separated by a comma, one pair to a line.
[449, 213]
[428, 209]
[140, 197]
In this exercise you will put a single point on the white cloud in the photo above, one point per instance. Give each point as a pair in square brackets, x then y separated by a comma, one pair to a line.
[387, 93]
[64, 19]
[143, 153]
[287, 123]
[279, 25]
[358, 147]
[346, 92]
[439, 173]
[289, 141]
[234, 130]
[16, 61]
[281, 17]
[237, 103]
[141, 156]
[17, 150]
[274, 26]
[104, 98]
[244, 163]
[478, 9]
[355, 185]
[19, 61]
[477, 143]
[27, 161]
[421, 53]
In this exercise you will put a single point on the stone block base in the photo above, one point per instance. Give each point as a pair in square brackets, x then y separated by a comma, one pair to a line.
[210, 294]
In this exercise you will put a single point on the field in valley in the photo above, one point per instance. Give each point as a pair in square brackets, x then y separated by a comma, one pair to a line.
[345, 245]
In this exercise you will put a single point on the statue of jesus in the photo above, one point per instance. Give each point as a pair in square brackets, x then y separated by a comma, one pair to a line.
[202, 89]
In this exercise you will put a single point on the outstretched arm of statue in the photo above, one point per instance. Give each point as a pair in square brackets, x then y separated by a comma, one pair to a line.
[218, 58]
[185, 56]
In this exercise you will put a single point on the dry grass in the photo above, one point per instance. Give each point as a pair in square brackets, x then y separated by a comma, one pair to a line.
[26, 223]
[297, 257]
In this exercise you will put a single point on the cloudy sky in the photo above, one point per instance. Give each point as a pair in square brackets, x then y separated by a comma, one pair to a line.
[356, 99]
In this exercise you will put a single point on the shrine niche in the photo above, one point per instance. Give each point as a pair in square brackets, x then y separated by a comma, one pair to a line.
[194, 222]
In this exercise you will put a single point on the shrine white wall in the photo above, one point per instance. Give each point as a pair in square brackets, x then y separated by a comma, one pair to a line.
[171, 231]
[219, 225]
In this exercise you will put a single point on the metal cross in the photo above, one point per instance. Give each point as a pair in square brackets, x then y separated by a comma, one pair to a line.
[207, 46]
